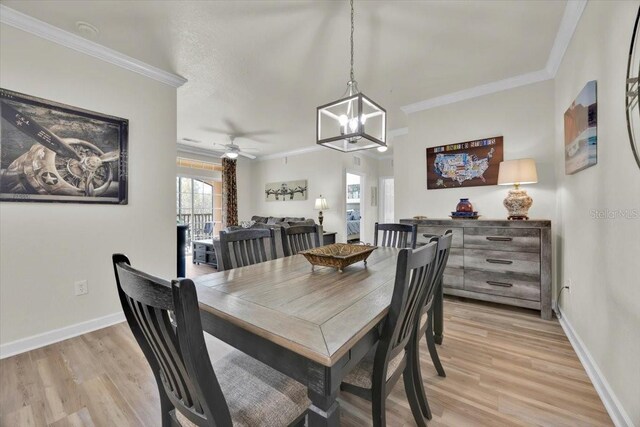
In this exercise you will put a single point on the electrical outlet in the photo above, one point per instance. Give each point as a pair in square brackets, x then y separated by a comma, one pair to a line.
[81, 287]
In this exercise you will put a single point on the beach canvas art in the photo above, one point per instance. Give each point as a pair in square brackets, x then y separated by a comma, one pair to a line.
[581, 131]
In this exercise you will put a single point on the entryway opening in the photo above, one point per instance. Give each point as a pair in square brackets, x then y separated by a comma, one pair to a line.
[354, 197]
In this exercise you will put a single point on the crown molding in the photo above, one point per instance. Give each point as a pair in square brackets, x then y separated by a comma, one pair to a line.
[290, 153]
[572, 13]
[57, 35]
[477, 91]
[189, 149]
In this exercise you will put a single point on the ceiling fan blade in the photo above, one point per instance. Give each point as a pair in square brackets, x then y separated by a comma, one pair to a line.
[196, 141]
[247, 155]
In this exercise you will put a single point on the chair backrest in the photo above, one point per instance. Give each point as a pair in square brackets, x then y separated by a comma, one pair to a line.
[442, 257]
[177, 354]
[396, 235]
[414, 272]
[246, 247]
[299, 238]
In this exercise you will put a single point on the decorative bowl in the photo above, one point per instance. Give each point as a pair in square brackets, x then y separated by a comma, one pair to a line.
[464, 215]
[338, 255]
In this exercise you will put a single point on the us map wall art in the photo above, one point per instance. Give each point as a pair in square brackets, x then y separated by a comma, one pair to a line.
[466, 164]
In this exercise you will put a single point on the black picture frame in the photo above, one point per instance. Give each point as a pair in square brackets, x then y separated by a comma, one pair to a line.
[53, 152]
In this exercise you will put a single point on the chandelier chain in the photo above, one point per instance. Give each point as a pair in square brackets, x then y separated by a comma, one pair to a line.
[352, 75]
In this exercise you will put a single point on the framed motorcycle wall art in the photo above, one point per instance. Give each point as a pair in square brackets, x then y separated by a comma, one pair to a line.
[51, 152]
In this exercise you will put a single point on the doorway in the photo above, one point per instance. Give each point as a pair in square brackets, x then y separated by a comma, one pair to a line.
[353, 205]
[386, 200]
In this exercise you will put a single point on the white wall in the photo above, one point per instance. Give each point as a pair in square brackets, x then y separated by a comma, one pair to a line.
[45, 247]
[325, 172]
[600, 256]
[524, 116]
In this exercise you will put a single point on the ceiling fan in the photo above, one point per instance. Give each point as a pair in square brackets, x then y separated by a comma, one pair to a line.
[231, 150]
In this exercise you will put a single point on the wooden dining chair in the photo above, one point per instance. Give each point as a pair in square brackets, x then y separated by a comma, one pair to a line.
[425, 326]
[374, 377]
[235, 390]
[246, 247]
[396, 235]
[299, 238]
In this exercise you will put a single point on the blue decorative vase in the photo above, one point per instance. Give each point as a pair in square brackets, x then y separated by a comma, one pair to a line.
[464, 206]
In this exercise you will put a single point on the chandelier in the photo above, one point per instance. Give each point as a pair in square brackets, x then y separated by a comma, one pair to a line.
[353, 122]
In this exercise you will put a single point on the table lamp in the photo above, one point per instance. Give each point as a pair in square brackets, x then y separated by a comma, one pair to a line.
[517, 172]
[321, 203]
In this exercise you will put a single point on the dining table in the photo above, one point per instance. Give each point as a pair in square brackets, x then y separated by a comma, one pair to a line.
[312, 324]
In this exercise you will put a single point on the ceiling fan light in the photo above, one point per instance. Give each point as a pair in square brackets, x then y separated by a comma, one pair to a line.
[383, 148]
[232, 155]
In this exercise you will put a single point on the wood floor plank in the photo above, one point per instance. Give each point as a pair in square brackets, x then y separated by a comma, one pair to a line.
[505, 367]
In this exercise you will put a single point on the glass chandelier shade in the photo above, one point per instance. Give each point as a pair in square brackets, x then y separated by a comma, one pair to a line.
[353, 122]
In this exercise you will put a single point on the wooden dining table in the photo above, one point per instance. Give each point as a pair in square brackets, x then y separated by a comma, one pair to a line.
[313, 325]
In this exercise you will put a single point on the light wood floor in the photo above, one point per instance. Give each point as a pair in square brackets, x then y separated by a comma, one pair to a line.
[194, 270]
[504, 367]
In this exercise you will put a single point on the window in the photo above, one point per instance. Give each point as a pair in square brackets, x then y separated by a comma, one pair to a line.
[195, 206]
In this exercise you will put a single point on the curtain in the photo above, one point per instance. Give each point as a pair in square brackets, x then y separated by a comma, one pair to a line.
[229, 193]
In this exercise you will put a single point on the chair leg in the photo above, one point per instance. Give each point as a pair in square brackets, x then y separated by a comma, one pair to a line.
[431, 344]
[166, 410]
[378, 407]
[410, 389]
[417, 381]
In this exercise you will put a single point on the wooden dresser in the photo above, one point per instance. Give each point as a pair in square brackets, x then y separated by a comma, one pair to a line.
[507, 262]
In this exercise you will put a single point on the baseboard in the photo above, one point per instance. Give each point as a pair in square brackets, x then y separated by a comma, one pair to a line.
[36, 341]
[613, 406]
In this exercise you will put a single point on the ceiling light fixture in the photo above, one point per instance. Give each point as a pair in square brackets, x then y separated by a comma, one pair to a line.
[231, 155]
[383, 148]
[341, 124]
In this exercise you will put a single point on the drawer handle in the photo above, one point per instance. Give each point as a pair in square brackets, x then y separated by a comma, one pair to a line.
[503, 284]
[499, 239]
[499, 261]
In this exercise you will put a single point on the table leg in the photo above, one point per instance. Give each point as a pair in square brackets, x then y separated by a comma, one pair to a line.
[324, 410]
[322, 391]
[438, 314]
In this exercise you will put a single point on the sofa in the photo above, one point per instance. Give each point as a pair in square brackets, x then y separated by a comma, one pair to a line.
[266, 222]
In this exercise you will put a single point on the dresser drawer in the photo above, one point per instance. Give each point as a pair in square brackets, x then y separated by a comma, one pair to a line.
[199, 247]
[200, 257]
[503, 239]
[503, 261]
[454, 272]
[456, 240]
[511, 285]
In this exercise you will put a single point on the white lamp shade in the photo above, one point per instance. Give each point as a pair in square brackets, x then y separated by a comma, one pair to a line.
[519, 171]
[321, 203]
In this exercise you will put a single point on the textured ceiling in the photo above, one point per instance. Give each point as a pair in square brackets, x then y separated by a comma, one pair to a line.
[263, 66]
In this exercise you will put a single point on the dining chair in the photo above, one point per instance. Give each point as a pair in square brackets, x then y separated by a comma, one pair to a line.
[396, 235]
[299, 238]
[235, 390]
[425, 326]
[246, 247]
[375, 375]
